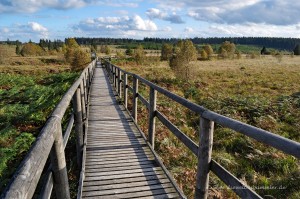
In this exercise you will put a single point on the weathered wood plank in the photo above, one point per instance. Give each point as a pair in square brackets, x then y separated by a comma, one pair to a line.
[125, 180]
[139, 194]
[152, 113]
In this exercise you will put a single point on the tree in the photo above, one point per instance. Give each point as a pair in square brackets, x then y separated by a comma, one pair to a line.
[31, 49]
[185, 53]
[80, 60]
[74, 55]
[229, 48]
[139, 54]
[209, 51]
[297, 50]
[166, 52]
[203, 54]
[18, 49]
[107, 50]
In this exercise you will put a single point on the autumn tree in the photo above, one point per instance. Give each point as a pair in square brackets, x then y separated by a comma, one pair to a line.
[139, 54]
[203, 54]
[31, 49]
[209, 50]
[185, 53]
[166, 52]
[229, 48]
[74, 55]
[80, 59]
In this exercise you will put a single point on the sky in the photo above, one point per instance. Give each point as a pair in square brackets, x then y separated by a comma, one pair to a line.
[26, 20]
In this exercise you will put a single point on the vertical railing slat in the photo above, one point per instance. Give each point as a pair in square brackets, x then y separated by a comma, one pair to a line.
[135, 98]
[152, 109]
[204, 157]
[59, 167]
[125, 87]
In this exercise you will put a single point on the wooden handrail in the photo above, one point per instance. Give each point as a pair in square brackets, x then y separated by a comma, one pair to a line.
[207, 119]
[49, 144]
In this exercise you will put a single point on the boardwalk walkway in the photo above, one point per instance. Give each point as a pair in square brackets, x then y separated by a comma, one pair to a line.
[119, 163]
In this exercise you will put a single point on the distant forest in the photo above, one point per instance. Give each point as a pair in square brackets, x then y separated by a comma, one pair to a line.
[288, 44]
[155, 43]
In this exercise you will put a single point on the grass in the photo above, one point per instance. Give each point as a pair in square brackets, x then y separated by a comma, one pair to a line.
[263, 92]
[28, 95]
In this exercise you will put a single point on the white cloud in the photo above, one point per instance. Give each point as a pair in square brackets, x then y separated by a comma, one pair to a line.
[31, 30]
[275, 12]
[154, 13]
[188, 30]
[125, 26]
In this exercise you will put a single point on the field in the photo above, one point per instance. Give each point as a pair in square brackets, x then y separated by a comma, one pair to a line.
[264, 92]
[29, 90]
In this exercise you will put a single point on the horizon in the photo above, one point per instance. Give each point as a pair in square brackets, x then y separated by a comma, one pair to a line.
[137, 19]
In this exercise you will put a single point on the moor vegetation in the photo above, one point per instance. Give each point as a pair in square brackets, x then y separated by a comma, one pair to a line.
[260, 91]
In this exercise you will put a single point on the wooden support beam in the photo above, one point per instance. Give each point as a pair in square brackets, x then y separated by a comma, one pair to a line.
[125, 87]
[135, 98]
[204, 158]
[77, 108]
[59, 167]
[152, 110]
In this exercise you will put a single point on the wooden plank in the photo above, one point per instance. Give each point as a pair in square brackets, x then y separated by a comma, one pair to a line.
[137, 194]
[120, 161]
[100, 159]
[162, 196]
[125, 171]
[89, 178]
[127, 185]
[124, 164]
[124, 180]
[237, 186]
[129, 190]
[119, 168]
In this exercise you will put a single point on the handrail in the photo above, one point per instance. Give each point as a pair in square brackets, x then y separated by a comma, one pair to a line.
[207, 119]
[50, 143]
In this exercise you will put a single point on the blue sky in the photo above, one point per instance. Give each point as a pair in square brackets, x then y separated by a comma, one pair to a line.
[58, 19]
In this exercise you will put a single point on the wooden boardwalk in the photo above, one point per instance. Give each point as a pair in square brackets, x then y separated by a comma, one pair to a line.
[119, 163]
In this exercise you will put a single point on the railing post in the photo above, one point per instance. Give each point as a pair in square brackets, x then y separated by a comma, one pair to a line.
[113, 74]
[115, 78]
[204, 157]
[152, 109]
[78, 109]
[59, 168]
[119, 82]
[83, 100]
[125, 87]
[135, 98]
[85, 87]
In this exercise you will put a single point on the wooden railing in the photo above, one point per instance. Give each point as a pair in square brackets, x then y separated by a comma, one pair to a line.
[207, 119]
[51, 143]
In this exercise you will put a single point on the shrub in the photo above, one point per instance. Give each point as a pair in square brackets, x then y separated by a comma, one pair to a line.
[80, 59]
[31, 49]
[166, 52]
[139, 54]
[185, 52]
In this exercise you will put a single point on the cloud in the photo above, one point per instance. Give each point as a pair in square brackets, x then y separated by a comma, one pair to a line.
[31, 6]
[188, 30]
[276, 12]
[31, 30]
[116, 26]
[154, 13]
[251, 30]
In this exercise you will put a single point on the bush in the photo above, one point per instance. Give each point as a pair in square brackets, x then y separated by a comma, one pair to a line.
[31, 49]
[185, 52]
[80, 60]
[166, 52]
